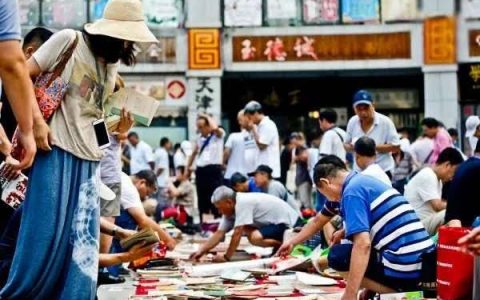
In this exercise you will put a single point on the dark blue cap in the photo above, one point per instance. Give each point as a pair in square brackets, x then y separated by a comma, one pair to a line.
[362, 97]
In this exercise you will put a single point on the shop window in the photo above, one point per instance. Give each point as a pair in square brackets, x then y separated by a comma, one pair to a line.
[29, 11]
[470, 9]
[283, 12]
[399, 10]
[321, 11]
[64, 13]
[238, 13]
[163, 13]
[360, 11]
[163, 52]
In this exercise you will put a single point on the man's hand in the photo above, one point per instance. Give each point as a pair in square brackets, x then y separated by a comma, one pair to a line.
[338, 236]
[5, 145]
[219, 258]
[139, 251]
[285, 249]
[28, 142]
[171, 243]
[126, 122]
[41, 132]
[470, 243]
[9, 169]
[124, 233]
[197, 255]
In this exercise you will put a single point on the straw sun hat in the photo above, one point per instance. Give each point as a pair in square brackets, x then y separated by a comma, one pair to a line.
[123, 19]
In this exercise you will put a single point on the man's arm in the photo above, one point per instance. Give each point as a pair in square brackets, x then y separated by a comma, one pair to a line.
[144, 221]
[256, 136]
[308, 231]
[237, 235]
[19, 90]
[358, 264]
[226, 155]
[387, 148]
[210, 244]
[438, 204]
[191, 159]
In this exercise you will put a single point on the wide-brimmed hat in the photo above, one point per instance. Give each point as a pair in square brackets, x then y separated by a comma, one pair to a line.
[123, 19]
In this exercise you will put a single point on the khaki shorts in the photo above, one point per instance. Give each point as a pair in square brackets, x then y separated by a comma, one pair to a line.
[111, 208]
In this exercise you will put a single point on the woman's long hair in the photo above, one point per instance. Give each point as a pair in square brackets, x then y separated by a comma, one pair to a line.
[111, 49]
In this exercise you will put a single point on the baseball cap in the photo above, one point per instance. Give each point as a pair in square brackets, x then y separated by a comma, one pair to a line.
[252, 107]
[471, 125]
[362, 97]
[238, 178]
[262, 168]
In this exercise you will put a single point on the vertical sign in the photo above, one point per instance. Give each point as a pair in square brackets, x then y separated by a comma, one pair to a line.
[440, 40]
[204, 49]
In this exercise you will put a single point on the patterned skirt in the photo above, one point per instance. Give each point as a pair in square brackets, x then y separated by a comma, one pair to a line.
[57, 248]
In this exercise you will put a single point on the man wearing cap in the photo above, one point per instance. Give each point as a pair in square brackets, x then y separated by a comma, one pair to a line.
[266, 137]
[262, 217]
[380, 128]
[243, 184]
[472, 126]
[262, 177]
[208, 153]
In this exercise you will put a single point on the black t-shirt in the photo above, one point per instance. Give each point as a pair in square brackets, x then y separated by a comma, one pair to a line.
[463, 201]
[7, 120]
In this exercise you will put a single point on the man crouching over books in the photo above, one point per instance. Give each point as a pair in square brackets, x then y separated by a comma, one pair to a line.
[262, 217]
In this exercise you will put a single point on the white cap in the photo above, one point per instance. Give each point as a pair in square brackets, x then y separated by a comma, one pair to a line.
[471, 125]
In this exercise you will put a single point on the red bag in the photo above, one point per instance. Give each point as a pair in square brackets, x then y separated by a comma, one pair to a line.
[50, 90]
[454, 268]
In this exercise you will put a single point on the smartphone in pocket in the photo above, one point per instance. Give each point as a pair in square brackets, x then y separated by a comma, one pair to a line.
[101, 133]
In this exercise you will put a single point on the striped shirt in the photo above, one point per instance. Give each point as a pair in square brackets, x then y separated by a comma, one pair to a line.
[369, 205]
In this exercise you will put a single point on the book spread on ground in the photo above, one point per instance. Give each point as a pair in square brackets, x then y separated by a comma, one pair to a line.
[146, 235]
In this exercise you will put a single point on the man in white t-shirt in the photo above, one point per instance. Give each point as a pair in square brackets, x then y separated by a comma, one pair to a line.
[162, 163]
[235, 152]
[424, 190]
[472, 133]
[365, 156]
[135, 189]
[333, 137]
[262, 217]
[141, 154]
[266, 136]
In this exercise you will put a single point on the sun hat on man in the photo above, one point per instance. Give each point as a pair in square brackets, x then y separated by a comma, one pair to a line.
[124, 20]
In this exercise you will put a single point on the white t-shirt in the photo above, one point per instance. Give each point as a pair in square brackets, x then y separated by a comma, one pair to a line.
[313, 158]
[421, 149]
[251, 151]
[375, 171]
[130, 197]
[140, 156]
[212, 154]
[270, 156]
[236, 160]
[179, 159]
[422, 188]
[333, 143]
[162, 162]
[258, 210]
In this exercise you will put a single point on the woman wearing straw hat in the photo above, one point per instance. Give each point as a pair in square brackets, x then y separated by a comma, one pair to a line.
[60, 221]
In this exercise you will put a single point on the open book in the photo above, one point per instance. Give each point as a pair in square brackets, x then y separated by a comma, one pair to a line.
[141, 107]
[13, 191]
[146, 235]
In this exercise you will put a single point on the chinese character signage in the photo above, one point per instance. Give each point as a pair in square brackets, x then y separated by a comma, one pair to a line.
[474, 42]
[163, 13]
[399, 10]
[64, 13]
[360, 11]
[440, 40]
[204, 97]
[469, 81]
[320, 11]
[242, 13]
[470, 9]
[203, 49]
[321, 47]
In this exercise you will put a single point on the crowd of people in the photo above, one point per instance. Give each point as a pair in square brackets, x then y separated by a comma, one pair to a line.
[376, 196]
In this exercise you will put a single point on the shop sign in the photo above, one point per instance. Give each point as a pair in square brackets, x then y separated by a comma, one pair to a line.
[399, 10]
[360, 11]
[469, 81]
[474, 42]
[203, 49]
[440, 40]
[321, 47]
[395, 98]
[242, 13]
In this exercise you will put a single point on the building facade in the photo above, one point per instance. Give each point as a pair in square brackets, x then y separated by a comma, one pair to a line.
[419, 58]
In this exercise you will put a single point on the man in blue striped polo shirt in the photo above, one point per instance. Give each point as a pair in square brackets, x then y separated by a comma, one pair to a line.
[388, 238]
